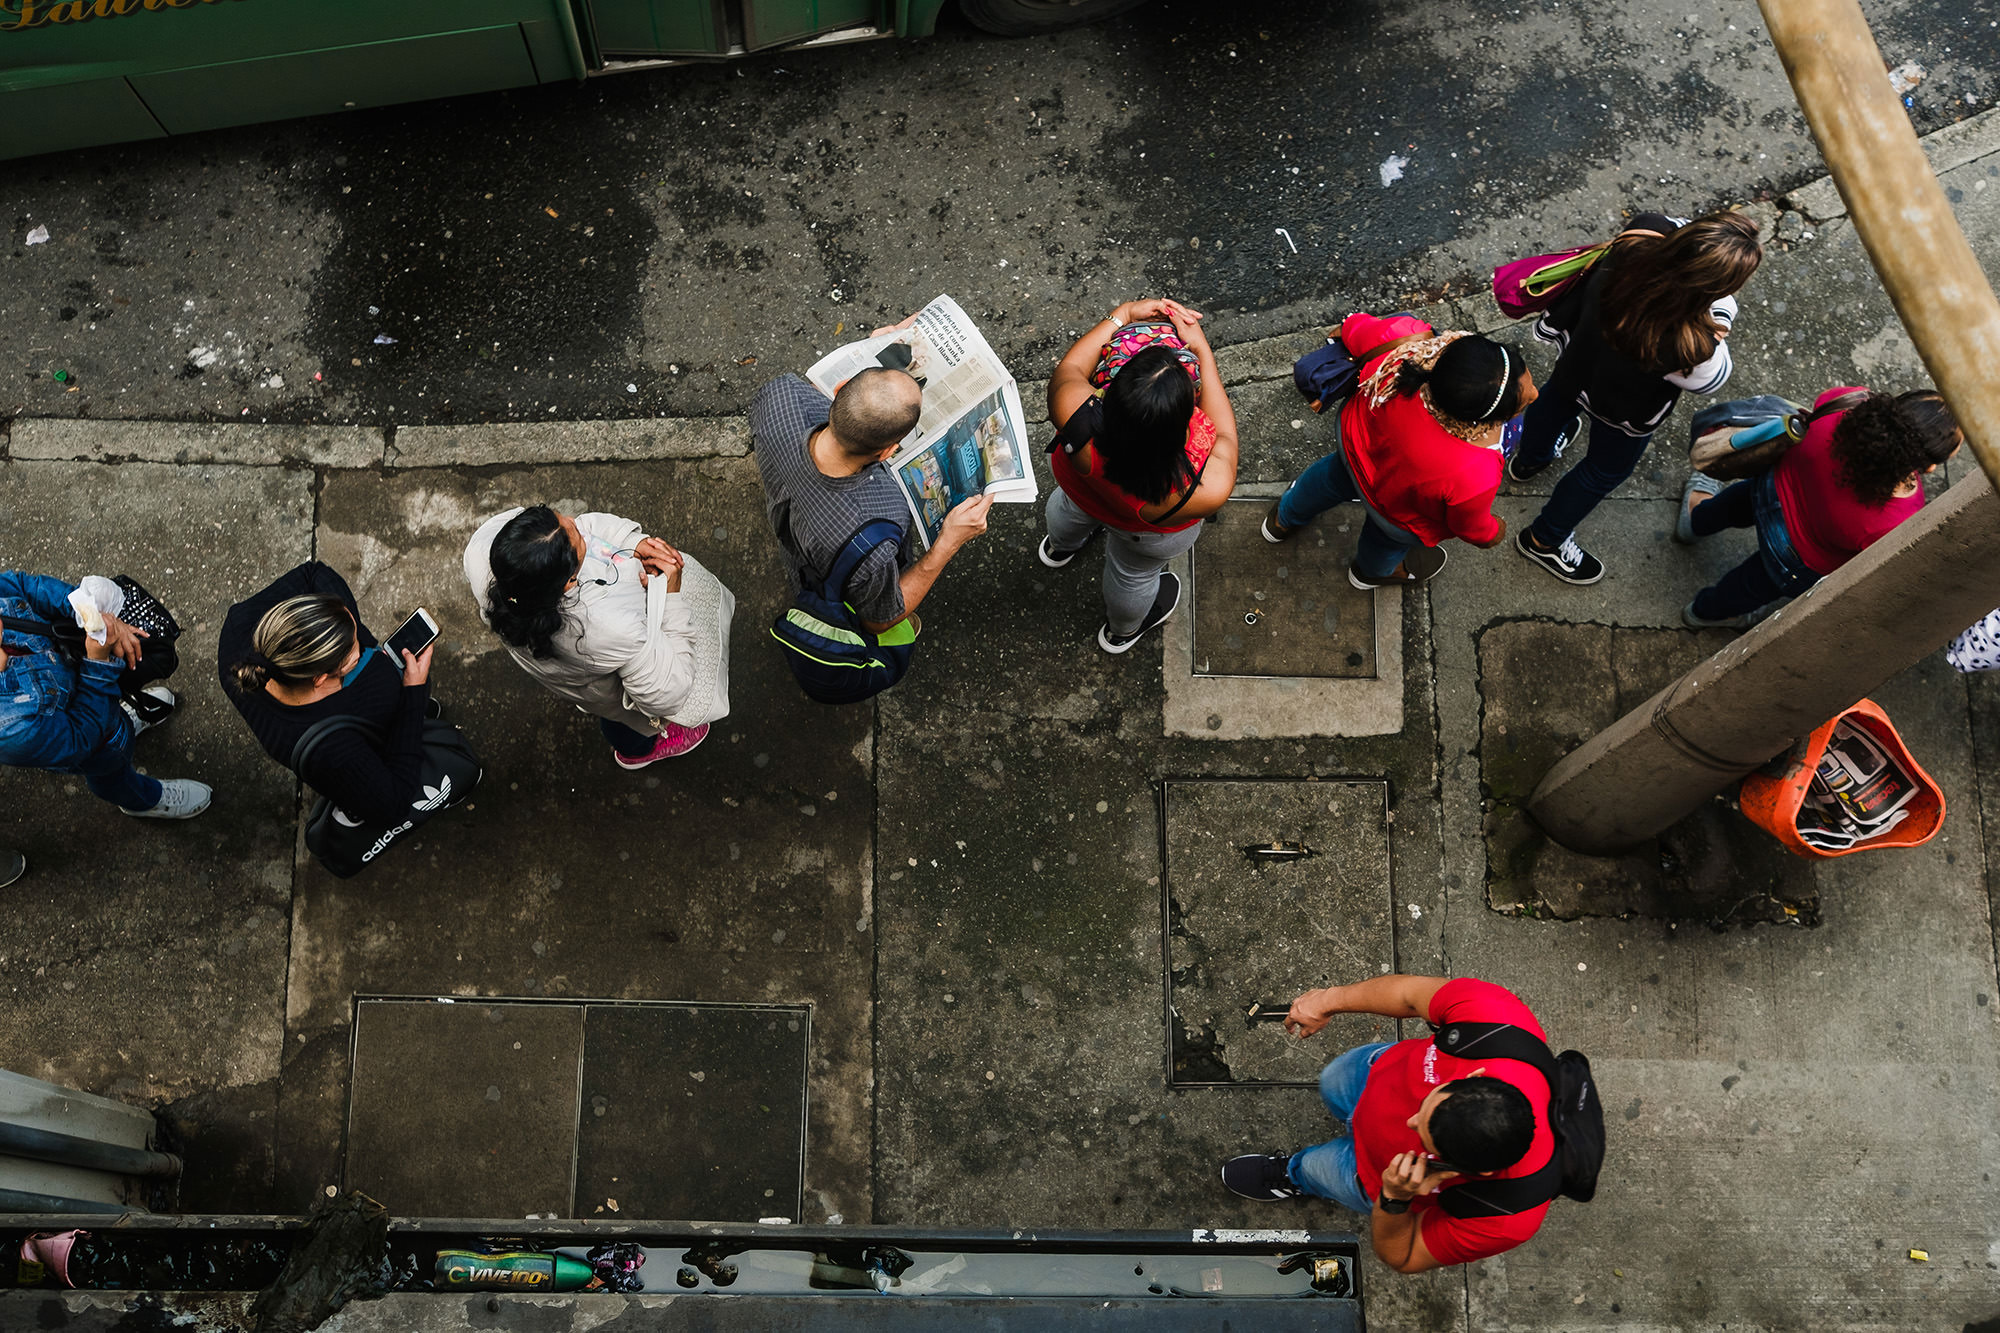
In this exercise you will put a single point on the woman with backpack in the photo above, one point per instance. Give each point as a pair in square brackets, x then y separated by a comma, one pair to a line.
[1648, 321]
[1418, 444]
[297, 654]
[1146, 450]
[619, 623]
[1857, 472]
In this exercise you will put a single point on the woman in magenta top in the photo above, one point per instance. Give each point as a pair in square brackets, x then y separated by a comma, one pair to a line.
[1419, 446]
[1856, 474]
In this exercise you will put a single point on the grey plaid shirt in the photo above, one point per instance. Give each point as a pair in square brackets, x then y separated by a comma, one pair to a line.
[813, 514]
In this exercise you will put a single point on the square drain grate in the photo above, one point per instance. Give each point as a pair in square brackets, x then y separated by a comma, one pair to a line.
[507, 1108]
[1271, 888]
[1280, 610]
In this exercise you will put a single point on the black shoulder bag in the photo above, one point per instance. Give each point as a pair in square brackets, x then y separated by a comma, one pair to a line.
[346, 846]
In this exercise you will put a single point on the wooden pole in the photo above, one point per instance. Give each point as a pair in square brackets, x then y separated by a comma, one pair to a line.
[1901, 599]
[1898, 208]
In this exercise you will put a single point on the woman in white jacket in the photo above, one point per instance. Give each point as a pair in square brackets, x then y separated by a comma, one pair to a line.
[619, 623]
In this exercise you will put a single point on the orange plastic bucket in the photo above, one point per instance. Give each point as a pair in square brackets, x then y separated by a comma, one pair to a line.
[1773, 796]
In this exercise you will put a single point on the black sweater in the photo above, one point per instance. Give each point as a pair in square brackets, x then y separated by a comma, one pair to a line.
[369, 786]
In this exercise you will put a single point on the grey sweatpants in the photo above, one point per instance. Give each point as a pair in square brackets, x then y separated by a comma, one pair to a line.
[1133, 561]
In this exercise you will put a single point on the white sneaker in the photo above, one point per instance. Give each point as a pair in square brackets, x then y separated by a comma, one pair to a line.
[145, 715]
[180, 798]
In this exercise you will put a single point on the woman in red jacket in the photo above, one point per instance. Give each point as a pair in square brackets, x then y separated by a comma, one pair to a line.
[1418, 445]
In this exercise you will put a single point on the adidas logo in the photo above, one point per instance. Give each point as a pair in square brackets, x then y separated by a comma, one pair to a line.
[433, 797]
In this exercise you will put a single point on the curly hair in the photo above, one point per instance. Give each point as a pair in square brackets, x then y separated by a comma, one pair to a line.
[1880, 442]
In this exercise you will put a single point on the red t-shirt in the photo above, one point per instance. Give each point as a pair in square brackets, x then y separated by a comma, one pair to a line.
[1421, 477]
[1828, 524]
[1404, 1075]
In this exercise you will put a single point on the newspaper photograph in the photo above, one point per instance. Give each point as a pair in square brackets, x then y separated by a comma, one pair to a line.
[971, 437]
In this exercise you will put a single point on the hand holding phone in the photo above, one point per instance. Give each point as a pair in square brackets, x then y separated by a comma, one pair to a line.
[413, 635]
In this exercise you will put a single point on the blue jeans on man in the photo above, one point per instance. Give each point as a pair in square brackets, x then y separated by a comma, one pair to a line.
[1775, 571]
[1328, 1170]
[1330, 482]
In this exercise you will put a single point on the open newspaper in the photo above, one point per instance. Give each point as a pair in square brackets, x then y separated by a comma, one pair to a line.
[1858, 792]
[971, 438]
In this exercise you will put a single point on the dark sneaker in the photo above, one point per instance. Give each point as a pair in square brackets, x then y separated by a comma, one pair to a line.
[1165, 603]
[1275, 528]
[434, 709]
[1260, 1176]
[1053, 558]
[1693, 621]
[1568, 562]
[13, 865]
[1526, 469]
[148, 707]
[1419, 563]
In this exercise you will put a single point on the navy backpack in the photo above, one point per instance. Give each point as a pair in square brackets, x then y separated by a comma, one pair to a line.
[835, 658]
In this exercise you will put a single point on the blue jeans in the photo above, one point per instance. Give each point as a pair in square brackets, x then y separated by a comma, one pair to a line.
[1328, 1170]
[1775, 571]
[630, 743]
[109, 774]
[1610, 458]
[1329, 482]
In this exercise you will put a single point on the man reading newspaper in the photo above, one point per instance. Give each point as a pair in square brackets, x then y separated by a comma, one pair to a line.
[823, 458]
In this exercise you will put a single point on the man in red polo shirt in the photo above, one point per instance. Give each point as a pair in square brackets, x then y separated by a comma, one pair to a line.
[1420, 1122]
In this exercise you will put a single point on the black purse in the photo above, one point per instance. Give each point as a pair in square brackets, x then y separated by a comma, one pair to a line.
[159, 657]
[451, 773]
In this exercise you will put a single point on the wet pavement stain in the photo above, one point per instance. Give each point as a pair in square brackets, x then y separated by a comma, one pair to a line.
[499, 241]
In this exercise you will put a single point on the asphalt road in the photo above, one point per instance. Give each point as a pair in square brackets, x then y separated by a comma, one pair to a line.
[658, 243]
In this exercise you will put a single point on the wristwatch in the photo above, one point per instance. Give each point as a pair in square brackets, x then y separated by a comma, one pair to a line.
[1389, 1205]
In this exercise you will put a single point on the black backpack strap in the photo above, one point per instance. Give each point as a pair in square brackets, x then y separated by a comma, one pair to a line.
[1846, 402]
[857, 548]
[1081, 428]
[1497, 1041]
[1516, 1194]
[310, 740]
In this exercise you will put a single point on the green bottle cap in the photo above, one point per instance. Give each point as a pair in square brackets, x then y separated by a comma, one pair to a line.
[62, 377]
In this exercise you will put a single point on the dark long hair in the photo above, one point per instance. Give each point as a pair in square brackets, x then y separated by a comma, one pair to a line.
[1143, 441]
[1880, 441]
[1475, 380]
[1658, 293]
[533, 563]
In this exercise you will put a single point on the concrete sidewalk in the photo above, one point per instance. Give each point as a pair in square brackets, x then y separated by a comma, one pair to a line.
[966, 880]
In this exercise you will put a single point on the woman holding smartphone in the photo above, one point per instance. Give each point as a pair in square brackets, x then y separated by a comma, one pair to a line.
[296, 654]
[617, 622]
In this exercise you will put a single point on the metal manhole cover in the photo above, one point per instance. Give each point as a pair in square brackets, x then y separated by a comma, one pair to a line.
[1280, 610]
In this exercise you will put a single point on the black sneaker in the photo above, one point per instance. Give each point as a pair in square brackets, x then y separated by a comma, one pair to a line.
[1519, 469]
[1275, 528]
[13, 865]
[1260, 1176]
[1568, 562]
[434, 709]
[1051, 557]
[1165, 603]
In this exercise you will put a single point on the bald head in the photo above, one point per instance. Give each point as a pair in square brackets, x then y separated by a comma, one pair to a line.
[875, 410]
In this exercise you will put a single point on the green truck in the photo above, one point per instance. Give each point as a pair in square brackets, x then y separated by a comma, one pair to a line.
[75, 73]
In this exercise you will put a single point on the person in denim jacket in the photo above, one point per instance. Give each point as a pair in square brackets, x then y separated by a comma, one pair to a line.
[68, 718]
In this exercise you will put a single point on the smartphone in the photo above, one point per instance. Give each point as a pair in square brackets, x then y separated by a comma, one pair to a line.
[412, 636]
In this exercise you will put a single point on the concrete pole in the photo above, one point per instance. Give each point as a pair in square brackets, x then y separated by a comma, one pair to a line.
[1904, 597]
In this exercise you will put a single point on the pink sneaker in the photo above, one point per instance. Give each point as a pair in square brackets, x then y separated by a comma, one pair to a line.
[676, 740]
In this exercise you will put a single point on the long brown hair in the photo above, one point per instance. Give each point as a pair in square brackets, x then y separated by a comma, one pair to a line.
[1657, 296]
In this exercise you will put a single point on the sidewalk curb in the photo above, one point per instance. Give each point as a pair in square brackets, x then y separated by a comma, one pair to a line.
[69, 439]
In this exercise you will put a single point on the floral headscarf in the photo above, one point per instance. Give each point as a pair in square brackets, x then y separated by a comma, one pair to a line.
[1380, 386]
